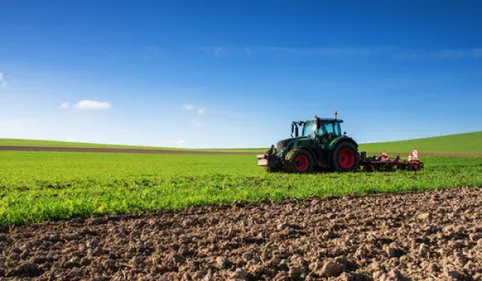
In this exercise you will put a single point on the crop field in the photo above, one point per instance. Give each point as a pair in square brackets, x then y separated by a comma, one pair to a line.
[131, 216]
[6, 142]
[59, 185]
[467, 144]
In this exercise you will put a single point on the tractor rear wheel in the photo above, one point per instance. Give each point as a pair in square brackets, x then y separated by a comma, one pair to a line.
[345, 158]
[298, 161]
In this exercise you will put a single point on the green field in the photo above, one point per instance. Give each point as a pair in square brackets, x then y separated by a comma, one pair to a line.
[468, 143]
[48, 143]
[35, 186]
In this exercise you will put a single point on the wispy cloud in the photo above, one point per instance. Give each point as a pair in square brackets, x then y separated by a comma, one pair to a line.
[220, 51]
[474, 53]
[335, 51]
[201, 110]
[150, 50]
[3, 83]
[179, 142]
[330, 52]
[188, 107]
[64, 105]
[343, 51]
[92, 104]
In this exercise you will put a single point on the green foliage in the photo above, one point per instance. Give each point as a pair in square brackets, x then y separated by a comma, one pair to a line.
[468, 143]
[35, 186]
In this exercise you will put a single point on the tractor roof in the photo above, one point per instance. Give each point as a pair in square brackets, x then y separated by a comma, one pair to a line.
[321, 120]
[330, 120]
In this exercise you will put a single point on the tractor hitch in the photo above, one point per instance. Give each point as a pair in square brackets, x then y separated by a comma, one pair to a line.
[269, 160]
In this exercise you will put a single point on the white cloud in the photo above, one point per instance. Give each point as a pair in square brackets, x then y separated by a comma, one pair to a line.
[64, 105]
[179, 142]
[92, 104]
[70, 139]
[200, 111]
[188, 107]
[3, 83]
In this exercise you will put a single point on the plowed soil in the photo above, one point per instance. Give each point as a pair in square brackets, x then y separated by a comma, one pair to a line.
[160, 151]
[435, 235]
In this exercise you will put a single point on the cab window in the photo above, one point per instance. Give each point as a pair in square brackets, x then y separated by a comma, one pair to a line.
[329, 128]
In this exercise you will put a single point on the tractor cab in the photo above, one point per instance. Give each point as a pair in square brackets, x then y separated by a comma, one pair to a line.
[321, 129]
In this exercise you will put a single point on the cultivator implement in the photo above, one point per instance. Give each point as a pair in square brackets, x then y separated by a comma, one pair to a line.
[380, 163]
[383, 163]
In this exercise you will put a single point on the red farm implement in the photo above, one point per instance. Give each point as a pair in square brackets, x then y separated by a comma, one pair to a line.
[383, 163]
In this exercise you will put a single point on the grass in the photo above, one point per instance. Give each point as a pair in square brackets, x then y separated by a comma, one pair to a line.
[35, 186]
[468, 143]
[48, 143]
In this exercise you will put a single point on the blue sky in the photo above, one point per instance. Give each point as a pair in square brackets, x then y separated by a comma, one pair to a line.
[236, 73]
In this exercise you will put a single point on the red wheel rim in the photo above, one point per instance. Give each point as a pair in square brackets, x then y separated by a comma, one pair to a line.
[346, 158]
[301, 163]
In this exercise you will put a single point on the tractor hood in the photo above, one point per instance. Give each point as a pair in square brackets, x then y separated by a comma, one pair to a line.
[284, 142]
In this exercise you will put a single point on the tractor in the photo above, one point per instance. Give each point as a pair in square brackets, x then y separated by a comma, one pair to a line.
[317, 144]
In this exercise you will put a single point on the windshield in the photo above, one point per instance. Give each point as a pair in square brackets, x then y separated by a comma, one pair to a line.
[325, 128]
[308, 128]
[329, 128]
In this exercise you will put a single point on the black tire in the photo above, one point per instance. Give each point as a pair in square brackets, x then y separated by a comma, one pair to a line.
[271, 169]
[298, 161]
[345, 157]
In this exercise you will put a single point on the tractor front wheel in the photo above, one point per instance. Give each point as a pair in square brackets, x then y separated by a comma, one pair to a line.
[298, 161]
[271, 169]
[345, 158]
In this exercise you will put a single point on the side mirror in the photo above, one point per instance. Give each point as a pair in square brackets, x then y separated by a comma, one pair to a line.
[344, 133]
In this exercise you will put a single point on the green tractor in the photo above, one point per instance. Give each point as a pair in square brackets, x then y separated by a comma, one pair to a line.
[317, 144]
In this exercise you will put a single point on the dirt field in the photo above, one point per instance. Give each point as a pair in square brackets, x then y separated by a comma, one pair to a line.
[433, 235]
[155, 151]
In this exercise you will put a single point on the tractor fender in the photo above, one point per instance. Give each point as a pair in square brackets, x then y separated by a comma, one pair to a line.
[335, 142]
[297, 143]
[307, 149]
[330, 147]
[294, 143]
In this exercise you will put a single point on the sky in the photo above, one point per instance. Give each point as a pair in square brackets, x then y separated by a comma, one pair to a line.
[235, 74]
